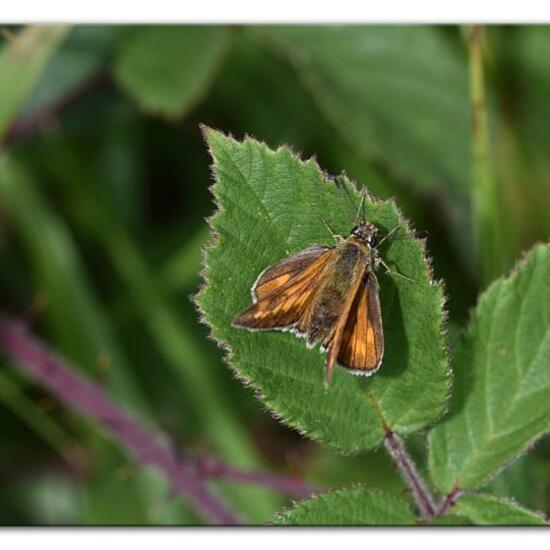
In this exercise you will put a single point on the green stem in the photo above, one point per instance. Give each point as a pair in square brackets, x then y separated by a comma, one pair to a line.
[39, 422]
[485, 206]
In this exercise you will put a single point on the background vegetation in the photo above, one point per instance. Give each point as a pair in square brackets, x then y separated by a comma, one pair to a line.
[104, 181]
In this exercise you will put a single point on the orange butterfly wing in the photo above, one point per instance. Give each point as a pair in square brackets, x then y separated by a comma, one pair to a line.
[283, 291]
[362, 345]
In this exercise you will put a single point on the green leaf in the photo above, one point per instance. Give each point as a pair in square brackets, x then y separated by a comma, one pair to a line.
[258, 91]
[166, 69]
[270, 206]
[357, 506]
[501, 402]
[483, 509]
[400, 94]
[521, 481]
[22, 60]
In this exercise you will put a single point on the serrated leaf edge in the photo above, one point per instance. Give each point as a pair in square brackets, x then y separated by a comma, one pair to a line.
[227, 358]
[322, 495]
[505, 278]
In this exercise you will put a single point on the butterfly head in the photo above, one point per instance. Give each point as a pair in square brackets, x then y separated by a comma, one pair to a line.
[366, 232]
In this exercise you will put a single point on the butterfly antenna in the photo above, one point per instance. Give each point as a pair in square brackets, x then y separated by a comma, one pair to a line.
[340, 183]
[361, 209]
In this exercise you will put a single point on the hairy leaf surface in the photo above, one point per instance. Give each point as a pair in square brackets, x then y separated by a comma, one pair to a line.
[483, 509]
[501, 398]
[357, 506]
[270, 205]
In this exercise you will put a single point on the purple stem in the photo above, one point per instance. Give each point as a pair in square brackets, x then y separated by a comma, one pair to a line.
[448, 502]
[406, 466]
[88, 398]
[292, 486]
[70, 388]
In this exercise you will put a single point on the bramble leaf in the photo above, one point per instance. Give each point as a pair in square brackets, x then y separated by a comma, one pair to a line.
[357, 506]
[167, 68]
[521, 481]
[270, 205]
[501, 397]
[484, 509]
[397, 93]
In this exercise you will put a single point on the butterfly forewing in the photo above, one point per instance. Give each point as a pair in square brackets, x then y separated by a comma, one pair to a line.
[283, 291]
[276, 276]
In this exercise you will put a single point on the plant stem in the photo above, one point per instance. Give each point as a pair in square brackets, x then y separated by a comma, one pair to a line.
[89, 399]
[484, 196]
[287, 485]
[424, 501]
[448, 502]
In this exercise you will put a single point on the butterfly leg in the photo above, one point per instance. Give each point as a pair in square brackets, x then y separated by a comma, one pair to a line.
[333, 234]
[388, 235]
[396, 273]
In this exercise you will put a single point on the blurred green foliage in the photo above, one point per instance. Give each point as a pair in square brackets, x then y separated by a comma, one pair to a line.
[102, 208]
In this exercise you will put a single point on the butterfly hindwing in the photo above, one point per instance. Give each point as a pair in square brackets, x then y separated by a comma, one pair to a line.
[283, 291]
[362, 344]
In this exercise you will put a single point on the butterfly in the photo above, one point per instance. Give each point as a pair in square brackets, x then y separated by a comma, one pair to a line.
[330, 296]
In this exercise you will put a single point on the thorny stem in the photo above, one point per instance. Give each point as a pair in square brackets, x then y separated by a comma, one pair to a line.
[187, 477]
[424, 500]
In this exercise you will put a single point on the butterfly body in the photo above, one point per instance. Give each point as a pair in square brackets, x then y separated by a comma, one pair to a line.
[329, 295]
[349, 263]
